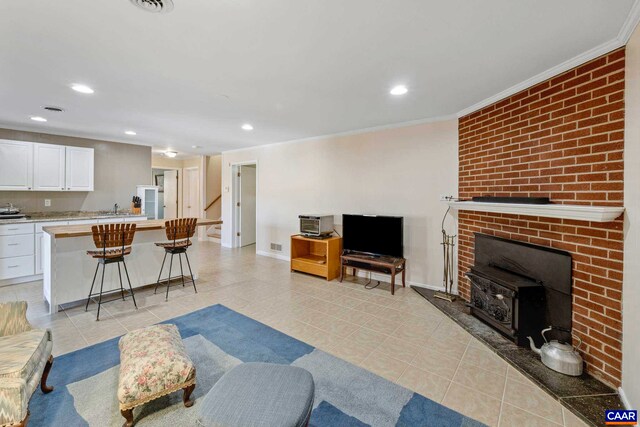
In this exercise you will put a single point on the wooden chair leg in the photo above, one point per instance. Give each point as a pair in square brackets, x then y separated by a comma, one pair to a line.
[186, 397]
[128, 416]
[24, 422]
[45, 374]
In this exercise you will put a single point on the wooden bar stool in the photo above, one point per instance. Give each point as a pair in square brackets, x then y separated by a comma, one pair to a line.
[179, 232]
[114, 244]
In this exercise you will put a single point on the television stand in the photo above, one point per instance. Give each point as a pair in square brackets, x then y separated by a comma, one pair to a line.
[377, 264]
[319, 257]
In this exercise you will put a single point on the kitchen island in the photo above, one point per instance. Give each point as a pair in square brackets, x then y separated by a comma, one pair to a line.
[21, 258]
[68, 270]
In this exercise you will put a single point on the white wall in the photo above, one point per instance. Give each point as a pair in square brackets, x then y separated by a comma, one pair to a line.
[400, 171]
[631, 285]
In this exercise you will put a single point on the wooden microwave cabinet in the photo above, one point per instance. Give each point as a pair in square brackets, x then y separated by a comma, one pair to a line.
[320, 257]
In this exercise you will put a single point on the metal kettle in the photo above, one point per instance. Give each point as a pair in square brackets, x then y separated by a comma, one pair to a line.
[561, 357]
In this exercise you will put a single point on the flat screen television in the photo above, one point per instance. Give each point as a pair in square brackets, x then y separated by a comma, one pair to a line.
[373, 234]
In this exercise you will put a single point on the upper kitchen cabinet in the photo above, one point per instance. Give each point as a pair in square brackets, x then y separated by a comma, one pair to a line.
[16, 165]
[79, 169]
[48, 167]
[30, 166]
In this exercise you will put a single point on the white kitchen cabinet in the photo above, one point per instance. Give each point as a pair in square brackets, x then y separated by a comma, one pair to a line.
[149, 197]
[16, 267]
[29, 166]
[49, 167]
[39, 256]
[16, 250]
[17, 245]
[79, 169]
[16, 165]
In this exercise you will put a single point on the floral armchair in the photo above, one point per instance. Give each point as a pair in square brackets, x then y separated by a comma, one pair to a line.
[25, 361]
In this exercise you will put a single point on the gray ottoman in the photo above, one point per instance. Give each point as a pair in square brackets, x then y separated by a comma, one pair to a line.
[259, 395]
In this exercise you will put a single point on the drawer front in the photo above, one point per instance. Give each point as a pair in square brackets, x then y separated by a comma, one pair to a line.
[136, 219]
[16, 267]
[16, 246]
[110, 220]
[310, 268]
[83, 221]
[39, 225]
[11, 229]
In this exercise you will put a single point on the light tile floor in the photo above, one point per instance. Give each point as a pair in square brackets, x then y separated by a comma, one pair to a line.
[402, 338]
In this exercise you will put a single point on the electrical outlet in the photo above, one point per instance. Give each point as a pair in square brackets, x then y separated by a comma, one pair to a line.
[47, 203]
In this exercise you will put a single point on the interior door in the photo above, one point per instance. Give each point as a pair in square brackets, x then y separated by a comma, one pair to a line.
[170, 194]
[247, 205]
[191, 193]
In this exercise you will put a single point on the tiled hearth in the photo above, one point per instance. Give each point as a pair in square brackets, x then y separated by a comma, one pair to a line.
[585, 396]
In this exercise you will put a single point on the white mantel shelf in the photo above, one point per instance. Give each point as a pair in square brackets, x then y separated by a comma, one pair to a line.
[576, 212]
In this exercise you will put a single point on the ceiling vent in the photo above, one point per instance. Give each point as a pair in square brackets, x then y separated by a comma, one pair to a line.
[54, 109]
[155, 6]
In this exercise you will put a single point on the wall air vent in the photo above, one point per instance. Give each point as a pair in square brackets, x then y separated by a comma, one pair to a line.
[155, 6]
[276, 247]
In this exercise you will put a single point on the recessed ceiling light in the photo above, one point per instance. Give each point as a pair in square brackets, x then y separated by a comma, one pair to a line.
[195, 146]
[38, 119]
[130, 132]
[171, 154]
[81, 88]
[247, 126]
[399, 90]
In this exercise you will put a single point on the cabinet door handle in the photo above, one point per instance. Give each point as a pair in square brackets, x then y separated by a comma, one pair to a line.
[13, 244]
[13, 229]
[13, 266]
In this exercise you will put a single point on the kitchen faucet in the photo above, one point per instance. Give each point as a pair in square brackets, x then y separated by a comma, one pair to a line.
[115, 209]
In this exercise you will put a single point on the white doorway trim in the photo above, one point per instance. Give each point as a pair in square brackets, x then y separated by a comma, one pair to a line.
[235, 193]
[198, 194]
[178, 185]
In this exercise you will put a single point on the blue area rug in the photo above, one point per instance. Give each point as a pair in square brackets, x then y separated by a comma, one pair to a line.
[218, 339]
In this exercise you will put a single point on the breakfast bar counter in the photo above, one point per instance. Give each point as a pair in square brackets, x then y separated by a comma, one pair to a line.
[68, 271]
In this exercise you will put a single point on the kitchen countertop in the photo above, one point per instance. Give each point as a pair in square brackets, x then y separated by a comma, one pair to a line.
[64, 231]
[64, 216]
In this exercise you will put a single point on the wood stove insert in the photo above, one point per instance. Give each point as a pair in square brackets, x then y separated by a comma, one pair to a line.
[519, 288]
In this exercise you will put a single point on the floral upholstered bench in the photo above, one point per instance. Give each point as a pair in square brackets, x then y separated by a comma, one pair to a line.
[153, 363]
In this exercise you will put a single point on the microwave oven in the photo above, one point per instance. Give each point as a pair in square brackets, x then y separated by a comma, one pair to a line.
[316, 225]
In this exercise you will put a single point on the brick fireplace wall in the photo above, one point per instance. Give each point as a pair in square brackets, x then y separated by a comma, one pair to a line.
[562, 138]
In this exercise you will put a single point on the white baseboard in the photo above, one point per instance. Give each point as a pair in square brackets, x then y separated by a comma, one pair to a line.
[273, 255]
[362, 273]
[24, 279]
[623, 398]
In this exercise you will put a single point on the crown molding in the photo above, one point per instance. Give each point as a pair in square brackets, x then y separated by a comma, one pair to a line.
[352, 132]
[630, 24]
[545, 75]
[620, 40]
